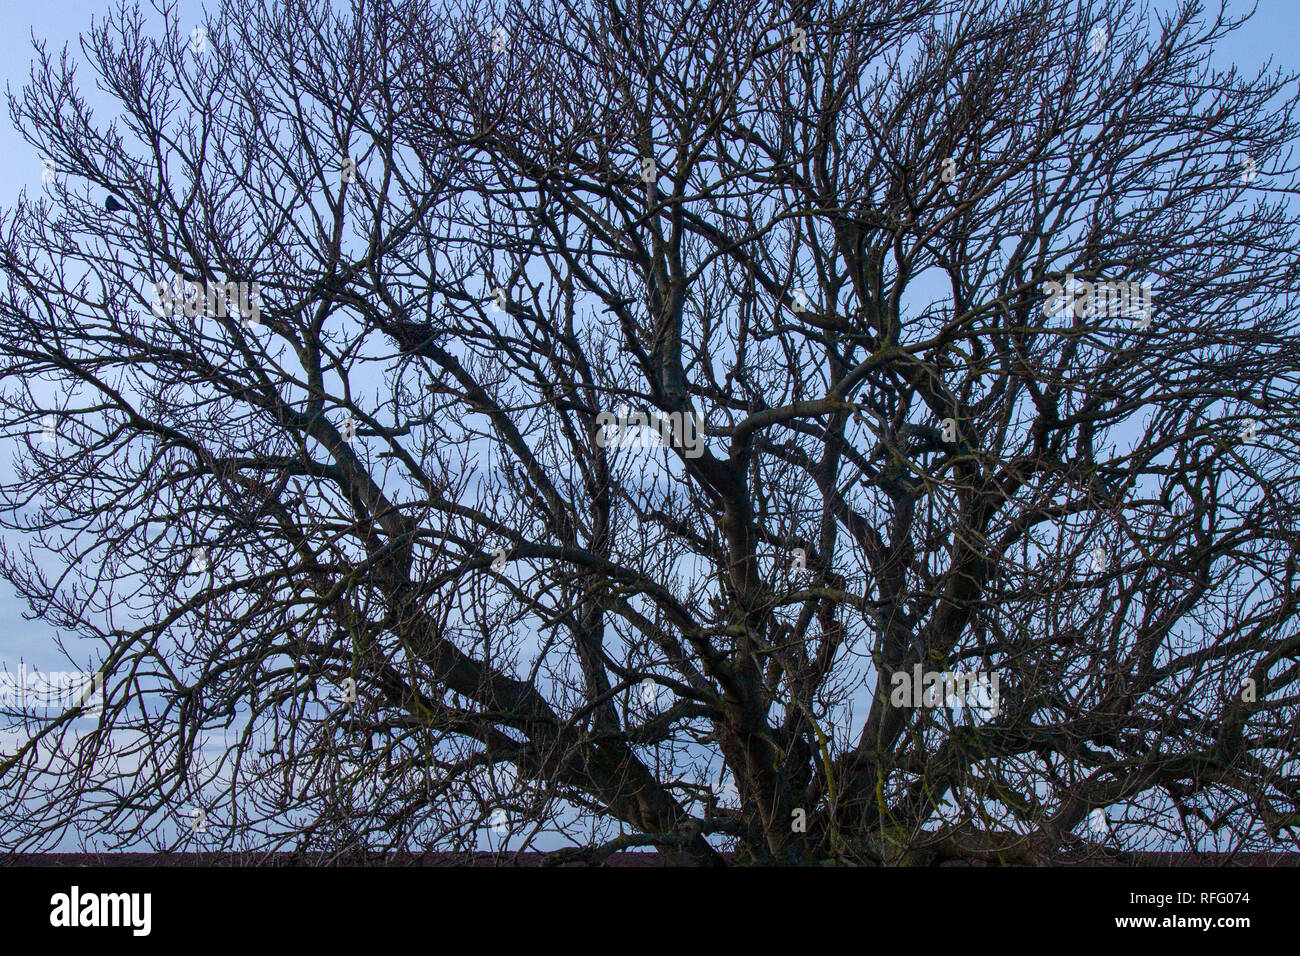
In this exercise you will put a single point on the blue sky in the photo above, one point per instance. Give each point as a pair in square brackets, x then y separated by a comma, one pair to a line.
[1273, 33]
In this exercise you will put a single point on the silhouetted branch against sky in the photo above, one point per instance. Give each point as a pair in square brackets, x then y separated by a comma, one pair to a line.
[840, 432]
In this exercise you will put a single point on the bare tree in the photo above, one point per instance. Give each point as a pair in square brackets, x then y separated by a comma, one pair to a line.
[841, 432]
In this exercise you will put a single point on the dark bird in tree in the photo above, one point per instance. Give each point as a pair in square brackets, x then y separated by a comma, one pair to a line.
[112, 204]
